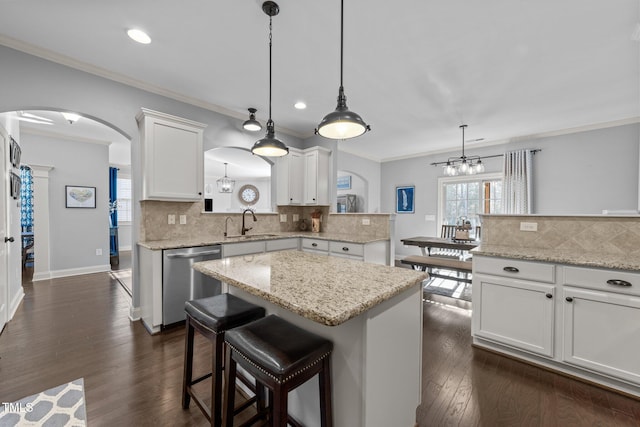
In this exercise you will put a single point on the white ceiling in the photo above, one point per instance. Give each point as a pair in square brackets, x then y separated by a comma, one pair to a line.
[414, 69]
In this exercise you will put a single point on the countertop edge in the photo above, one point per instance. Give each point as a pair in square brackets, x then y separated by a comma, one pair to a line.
[608, 261]
[186, 243]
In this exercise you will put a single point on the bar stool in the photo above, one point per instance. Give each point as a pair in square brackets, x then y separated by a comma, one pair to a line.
[281, 357]
[211, 317]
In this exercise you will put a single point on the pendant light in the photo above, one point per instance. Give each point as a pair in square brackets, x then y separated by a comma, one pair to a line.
[342, 123]
[252, 125]
[225, 185]
[270, 146]
[463, 165]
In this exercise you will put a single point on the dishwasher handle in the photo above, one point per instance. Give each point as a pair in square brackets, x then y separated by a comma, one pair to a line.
[195, 254]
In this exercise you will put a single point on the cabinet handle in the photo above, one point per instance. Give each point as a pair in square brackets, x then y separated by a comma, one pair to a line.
[346, 249]
[569, 299]
[549, 295]
[511, 270]
[9, 239]
[617, 282]
[314, 244]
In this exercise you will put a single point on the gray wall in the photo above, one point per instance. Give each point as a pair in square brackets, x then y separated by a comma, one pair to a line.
[580, 173]
[369, 171]
[75, 233]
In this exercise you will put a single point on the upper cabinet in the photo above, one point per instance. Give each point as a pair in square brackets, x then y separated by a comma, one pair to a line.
[304, 176]
[289, 179]
[316, 176]
[172, 157]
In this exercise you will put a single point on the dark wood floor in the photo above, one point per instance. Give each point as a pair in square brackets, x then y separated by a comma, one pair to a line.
[78, 327]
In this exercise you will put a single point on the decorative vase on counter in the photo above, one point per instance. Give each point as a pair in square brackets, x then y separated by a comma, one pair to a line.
[315, 225]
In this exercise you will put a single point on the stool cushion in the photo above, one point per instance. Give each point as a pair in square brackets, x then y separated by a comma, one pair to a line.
[222, 312]
[278, 347]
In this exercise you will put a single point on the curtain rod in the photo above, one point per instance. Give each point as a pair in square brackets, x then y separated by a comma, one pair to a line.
[459, 159]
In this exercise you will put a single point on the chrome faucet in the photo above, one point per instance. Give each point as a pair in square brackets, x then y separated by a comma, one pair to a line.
[226, 224]
[245, 229]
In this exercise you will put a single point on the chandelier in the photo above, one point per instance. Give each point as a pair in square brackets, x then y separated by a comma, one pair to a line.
[225, 185]
[463, 165]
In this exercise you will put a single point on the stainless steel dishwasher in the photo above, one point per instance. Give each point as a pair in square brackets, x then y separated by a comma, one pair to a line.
[181, 283]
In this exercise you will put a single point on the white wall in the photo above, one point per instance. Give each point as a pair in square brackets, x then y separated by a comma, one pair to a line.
[580, 173]
[75, 233]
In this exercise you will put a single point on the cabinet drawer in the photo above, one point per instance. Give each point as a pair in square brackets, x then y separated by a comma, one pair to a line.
[315, 244]
[244, 248]
[603, 280]
[505, 267]
[354, 249]
[282, 244]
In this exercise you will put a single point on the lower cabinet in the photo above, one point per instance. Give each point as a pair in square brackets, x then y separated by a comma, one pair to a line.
[374, 252]
[586, 323]
[516, 313]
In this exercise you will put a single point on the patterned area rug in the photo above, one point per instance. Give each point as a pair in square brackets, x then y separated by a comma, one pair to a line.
[124, 277]
[57, 407]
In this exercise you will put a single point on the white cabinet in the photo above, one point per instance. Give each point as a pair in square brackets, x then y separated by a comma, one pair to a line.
[578, 320]
[601, 312]
[282, 244]
[373, 252]
[514, 312]
[316, 176]
[304, 176]
[289, 178]
[172, 157]
[317, 246]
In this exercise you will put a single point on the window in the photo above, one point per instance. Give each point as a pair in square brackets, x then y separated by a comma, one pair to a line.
[124, 200]
[469, 196]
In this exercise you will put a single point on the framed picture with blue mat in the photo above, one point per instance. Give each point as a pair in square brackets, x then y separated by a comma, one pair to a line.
[405, 199]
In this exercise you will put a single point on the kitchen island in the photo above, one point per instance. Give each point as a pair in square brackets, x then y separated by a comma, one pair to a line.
[371, 313]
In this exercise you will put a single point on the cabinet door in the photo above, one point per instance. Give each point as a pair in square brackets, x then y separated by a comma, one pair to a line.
[602, 332]
[290, 178]
[173, 157]
[516, 313]
[316, 176]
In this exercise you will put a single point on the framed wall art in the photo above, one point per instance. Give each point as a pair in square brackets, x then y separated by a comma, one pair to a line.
[80, 197]
[405, 199]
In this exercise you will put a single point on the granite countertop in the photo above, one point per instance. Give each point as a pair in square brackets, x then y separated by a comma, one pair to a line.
[578, 258]
[214, 240]
[327, 290]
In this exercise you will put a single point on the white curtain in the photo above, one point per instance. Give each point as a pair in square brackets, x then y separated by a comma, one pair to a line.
[516, 183]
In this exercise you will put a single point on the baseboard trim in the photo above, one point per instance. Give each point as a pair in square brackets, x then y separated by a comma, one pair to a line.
[41, 276]
[79, 271]
[134, 313]
[17, 299]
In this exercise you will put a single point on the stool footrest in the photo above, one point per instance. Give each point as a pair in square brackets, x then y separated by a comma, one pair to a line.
[202, 378]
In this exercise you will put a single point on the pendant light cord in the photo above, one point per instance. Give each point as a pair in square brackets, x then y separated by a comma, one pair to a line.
[270, 43]
[341, 39]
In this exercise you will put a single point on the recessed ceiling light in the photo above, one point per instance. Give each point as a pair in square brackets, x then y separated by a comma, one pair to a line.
[300, 105]
[139, 36]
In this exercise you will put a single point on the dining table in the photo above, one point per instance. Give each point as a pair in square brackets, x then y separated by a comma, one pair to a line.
[425, 243]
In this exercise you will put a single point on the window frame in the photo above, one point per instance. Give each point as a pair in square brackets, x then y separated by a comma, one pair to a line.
[123, 177]
[493, 176]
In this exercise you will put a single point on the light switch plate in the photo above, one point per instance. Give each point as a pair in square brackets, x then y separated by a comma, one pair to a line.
[528, 226]
[99, 251]
[283, 217]
[183, 219]
[171, 219]
[296, 217]
[429, 217]
[366, 221]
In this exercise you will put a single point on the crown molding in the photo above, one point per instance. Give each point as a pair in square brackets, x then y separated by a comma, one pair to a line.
[126, 80]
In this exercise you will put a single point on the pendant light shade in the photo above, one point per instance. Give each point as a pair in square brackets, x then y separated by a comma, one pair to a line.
[252, 125]
[225, 185]
[270, 146]
[342, 123]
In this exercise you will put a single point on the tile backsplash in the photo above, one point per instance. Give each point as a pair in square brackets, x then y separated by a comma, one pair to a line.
[154, 224]
[619, 235]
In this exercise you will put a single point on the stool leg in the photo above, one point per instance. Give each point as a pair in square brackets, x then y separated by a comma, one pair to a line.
[230, 389]
[280, 401]
[216, 380]
[326, 410]
[188, 365]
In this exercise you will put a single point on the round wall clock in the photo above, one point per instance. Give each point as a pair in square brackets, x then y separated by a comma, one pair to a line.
[249, 194]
